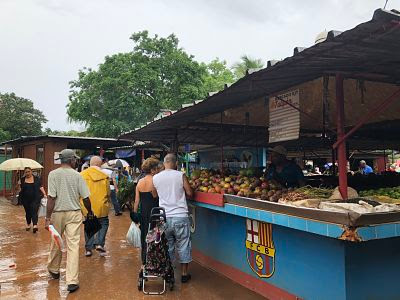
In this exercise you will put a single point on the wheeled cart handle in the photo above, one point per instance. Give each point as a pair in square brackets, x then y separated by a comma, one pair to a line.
[157, 212]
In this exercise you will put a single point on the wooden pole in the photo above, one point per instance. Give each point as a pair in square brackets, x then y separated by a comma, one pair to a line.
[342, 161]
[5, 173]
[222, 146]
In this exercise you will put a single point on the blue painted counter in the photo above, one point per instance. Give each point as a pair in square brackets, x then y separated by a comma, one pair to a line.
[286, 257]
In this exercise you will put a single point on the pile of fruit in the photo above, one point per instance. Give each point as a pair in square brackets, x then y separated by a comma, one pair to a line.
[393, 193]
[243, 184]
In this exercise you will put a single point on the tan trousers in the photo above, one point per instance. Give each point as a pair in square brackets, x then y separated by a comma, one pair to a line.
[67, 223]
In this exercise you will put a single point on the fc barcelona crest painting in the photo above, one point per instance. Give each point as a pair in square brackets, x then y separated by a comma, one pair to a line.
[260, 248]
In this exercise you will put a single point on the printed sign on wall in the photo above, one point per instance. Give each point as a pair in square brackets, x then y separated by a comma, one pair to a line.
[284, 118]
[57, 160]
[260, 249]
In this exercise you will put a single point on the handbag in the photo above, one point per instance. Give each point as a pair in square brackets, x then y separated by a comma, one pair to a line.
[42, 208]
[133, 236]
[92, 226]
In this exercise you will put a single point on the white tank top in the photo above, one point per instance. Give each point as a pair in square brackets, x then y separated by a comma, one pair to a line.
[169, 186]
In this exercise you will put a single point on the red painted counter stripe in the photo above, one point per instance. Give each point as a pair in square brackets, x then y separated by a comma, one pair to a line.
[209, 198]
[261, 287]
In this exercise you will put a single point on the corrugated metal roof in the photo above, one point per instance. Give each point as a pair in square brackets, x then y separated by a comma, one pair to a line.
[75, 139]
[370, 51]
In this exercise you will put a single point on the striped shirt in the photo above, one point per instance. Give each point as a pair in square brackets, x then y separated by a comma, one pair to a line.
[67, 186]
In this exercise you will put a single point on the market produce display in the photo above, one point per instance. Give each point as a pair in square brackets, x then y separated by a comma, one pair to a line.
[245, 184]
[393, 193]
[306, 192]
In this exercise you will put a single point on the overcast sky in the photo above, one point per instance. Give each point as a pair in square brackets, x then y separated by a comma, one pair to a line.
[43, 43]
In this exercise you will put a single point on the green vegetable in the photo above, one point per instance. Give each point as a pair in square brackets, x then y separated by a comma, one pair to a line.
[314, 192]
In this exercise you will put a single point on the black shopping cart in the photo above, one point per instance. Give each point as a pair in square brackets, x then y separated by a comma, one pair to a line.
[158, 263]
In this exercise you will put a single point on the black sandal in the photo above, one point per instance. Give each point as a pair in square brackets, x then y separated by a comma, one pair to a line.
[186, 278]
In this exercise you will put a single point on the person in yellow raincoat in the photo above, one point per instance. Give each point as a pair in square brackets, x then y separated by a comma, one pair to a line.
[99, 187]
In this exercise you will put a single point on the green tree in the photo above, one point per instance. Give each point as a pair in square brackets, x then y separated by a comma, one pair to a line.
[218, 74]
[4, 135]
[49, 131]
[246, 62]
[129, 89]
[18, 117]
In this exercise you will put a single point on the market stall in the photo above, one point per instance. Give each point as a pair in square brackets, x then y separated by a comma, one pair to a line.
[304, 243]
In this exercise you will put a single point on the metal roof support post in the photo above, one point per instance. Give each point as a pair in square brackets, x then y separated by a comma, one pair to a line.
[175, 144]
[222, 146]
[5, 173]
[342, 161]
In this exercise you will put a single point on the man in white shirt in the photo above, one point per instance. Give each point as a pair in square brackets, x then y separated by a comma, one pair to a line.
[66, 188]
[172, 187]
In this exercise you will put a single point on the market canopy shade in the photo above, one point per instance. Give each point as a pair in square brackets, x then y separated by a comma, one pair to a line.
[16, 164]
[367, 56]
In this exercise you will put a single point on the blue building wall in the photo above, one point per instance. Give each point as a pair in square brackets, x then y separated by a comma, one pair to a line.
[306, 265]
[372, 269]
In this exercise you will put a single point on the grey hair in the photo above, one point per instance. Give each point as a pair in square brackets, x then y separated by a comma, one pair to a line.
[96, 161]
[170, 158]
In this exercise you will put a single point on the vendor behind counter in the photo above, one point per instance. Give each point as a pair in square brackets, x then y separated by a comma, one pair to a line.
[283, 171]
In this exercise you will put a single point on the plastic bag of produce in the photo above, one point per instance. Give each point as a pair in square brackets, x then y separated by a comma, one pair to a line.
[133, 236]
[56, 238]
[351, 193]
[42, 208]
[310, 203]
[362, 207]
[387, 207]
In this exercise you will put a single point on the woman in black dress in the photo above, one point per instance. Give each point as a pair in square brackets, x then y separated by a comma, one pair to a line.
[30, 196]
[144, 200]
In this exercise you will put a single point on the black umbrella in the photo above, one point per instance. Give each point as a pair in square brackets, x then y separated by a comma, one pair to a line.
[92, 226]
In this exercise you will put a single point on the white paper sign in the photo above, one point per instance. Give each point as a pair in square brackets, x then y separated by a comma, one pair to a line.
[57, 161]
[284, 119]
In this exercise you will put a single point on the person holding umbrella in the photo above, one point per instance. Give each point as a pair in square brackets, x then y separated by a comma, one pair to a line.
[66, 188]
[30, 196]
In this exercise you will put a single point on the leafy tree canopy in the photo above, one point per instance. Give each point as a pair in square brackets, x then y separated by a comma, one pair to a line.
[218, 74]
[128, 89]
[48, 131]
[246, 62]
[18, 117]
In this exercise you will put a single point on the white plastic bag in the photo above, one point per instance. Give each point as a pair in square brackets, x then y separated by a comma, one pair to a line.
[42, 208]
[133, 236]
[56, 238]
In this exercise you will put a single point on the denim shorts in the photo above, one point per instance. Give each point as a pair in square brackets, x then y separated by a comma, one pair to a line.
[179, 241]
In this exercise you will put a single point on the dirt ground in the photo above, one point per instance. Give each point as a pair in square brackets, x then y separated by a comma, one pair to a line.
[23, 274]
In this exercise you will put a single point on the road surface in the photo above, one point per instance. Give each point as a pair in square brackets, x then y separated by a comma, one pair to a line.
[23, 274]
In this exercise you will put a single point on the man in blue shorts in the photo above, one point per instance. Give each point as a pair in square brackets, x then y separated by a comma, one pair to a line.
[172, 187]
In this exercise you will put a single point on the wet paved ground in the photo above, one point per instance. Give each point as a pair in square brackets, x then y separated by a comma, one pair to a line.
[23, 274]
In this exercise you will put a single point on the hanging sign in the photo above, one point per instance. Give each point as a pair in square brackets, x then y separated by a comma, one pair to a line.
[284, 118]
